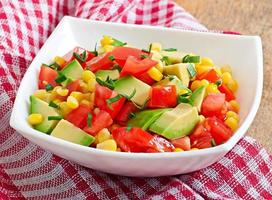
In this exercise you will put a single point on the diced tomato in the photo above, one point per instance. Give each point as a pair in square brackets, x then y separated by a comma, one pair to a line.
[79, 116]
[183, 143]
[122, 53]
[74, 86]
[47, 76]
[102, 94]
[124, 115]
[219, 131]
[100, 62]
[211, 76]
[224, 89]
[99, 121]
[201, 138]
[163, 97]
[135, 66]
[146, 78]
[138, 140]
[213, 105]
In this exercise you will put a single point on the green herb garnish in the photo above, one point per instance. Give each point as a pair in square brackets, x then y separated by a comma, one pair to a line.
[53, 104]
[116, 66]
[131, 95]
[166, 60]
[150, 47]
[60, 78]
[132, 115]
[54, 118]
[143, 56]
[54, 66]
[144, 50]
[114, 99]
[182, 99]
[213, 143]
[111, 58]
[191, 70]
[108, 83]
[89, 120]
[218, 83]
[48, 87]
[81, 57]
[191, 59]
[118, 43]
[170, 49]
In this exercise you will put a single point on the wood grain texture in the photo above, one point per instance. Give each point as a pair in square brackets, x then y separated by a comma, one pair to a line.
[249, 17]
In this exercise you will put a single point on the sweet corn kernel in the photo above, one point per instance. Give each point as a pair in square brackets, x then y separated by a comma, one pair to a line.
[212, 88]
[77, 95]
[83, 87]
[62, 91]
[96, 111]
[226, 68]
[87, 75]
[226, 77]
[43, 95]
[103, 135]
[201, 68]
[108, 48]
[193, 149]
[218, 71]
[204, 82]
[207, 61]
[232, 114]
[233, 85]
[34, 119]
[106, 40]
[60, 61]
[232, 123]
[235, 105]
[64, 109]
[178, 150]
[87, 96]
[159, 66]
[72, 102]
[201, 118]
[109, 145]
[91, 85]
[182, 91]
[85, 102]
[155, 74]
[195, 84]
[155, 46]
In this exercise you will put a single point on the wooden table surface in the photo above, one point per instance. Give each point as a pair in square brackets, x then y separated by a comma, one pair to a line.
[249, 17]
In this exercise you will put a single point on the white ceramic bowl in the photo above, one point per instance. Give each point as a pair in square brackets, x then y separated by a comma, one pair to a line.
[243, 53]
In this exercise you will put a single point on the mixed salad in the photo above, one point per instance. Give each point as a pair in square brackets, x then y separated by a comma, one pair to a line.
[122, 98]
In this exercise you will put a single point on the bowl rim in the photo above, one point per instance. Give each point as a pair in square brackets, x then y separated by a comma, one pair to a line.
[28, 132]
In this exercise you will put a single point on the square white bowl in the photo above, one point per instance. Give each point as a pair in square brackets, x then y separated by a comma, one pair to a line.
[243, 53]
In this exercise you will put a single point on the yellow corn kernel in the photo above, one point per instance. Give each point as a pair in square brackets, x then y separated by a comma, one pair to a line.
[108, 48]
[83, 87]
[232, 114]
[195, 84]
[91, 85]
[201, 118]
[87, 75]
[218, 71]
[57, 101]
[204, 82]
[106, 40]
[96, 111]
[235, 105]
[43, 95]
[155, 46]
[232, 123]
[159, 66]
[193, 149]
[182, 91]
[233, 85]
[103, 135]
[72, 102]
[34, 119]
[60, 61]
[212, 88]
[109, 145]
[226, 68]
[155, 74]
[77, 95]
[226, 77]
[85, 102]
[178, 150]
[64, 109]
[62, 91]
[207, 61]
[201, 68]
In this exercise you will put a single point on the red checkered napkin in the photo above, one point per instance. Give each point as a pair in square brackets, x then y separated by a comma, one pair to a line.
[26, 171]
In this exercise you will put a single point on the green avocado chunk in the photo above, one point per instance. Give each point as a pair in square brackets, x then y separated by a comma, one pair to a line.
[104, 74]
[176, 123]
[145, 118]
[198, 96]
[67, 131]
[179, 70]
[72, 71]
[41, 107]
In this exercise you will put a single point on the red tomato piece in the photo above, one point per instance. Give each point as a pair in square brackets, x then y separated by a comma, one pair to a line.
[122, 53]
[146, 78]
[210, 76]
[183, 143]
[224, 89]
[124, 114]
[213, 105]
[102, 94]
[163, 97]
[201, 138]
[138, 140]
[47, 75]
[100, 62]
[219, 131]
[99, 121]
[136, 67]
[79, 116]
[74, 86]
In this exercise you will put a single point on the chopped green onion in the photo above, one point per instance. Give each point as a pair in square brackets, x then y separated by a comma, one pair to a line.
[60, 78]
[111, 58]
[48, 87]
[170, 77]
[150, 47]
[218, 83]
[128, 128]
[132, 115]
[89, 120]
[95, 51]
[143, 56]
[144, 50]
[131, 95]
[54, 118]
[191, 70]
[108, 83]
[213, 143]
[53, 104]
[118, 43]
[118, 67]
[145, 104]
[189, 92]
[166, 60]
[182, 99]
[191, 59]
[54, 66]
[114, 99]
[81, 57]
[170, 49]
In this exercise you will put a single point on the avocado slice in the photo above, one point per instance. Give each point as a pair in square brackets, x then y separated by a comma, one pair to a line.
[180, 70]
[173, 56]
[145, 118]
[172, 80]
[41, 107]
[176, 123]
[198, 96]
[104, 74]
[67, 131]
[126, 86]
[72, 71]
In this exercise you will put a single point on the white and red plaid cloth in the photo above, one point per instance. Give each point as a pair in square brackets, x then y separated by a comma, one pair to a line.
[29, 172]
